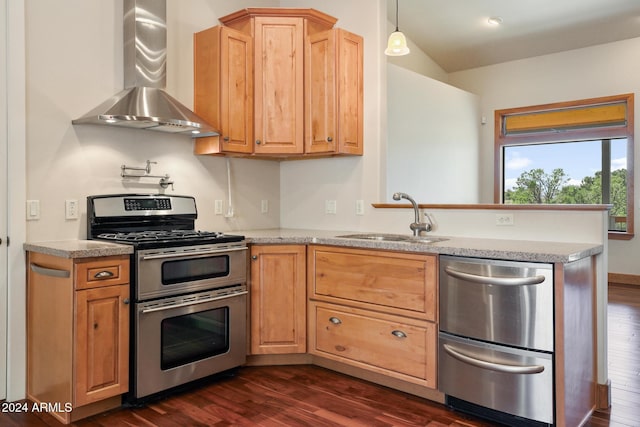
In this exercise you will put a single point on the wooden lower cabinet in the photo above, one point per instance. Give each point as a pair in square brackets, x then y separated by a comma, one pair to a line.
[399, 347]
[77, 334]
[375, 310]
[278, 299]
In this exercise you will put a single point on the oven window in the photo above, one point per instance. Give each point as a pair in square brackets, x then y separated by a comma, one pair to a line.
[191, 269]
[193, 337]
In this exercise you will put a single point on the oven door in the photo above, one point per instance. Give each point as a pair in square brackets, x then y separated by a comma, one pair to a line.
[181, 339]
[176, 271]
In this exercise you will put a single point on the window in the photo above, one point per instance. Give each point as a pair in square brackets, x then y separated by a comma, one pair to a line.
[578, 152]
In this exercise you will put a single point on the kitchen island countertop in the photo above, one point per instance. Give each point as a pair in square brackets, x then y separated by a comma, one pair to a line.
[517, 250]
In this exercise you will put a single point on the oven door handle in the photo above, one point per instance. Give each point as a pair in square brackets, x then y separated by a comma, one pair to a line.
[498, 367]
[188, 303]
[193, 253]
[488, 280]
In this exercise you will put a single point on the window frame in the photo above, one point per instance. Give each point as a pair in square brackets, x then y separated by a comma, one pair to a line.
[568, 135]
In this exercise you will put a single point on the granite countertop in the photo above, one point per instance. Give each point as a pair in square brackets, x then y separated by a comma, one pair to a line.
[517, 250]
[78, 248]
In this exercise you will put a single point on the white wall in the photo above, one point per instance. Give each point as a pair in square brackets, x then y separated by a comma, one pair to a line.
[603, 70]
[433, 139]
[74, 62]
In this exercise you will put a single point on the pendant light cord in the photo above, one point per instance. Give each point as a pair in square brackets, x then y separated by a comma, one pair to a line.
[397, 29]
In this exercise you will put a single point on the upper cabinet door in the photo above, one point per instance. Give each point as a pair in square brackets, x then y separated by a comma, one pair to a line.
[279, 85]
[334, 93]
[223, 93]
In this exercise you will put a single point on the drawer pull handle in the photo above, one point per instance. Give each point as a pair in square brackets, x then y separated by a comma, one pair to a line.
[474, 360]
[398, 334]
[335, 320]
[103, 274]
[53, 272]
[500, 281]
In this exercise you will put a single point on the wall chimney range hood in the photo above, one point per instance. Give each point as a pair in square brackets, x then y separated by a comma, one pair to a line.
[144, 104]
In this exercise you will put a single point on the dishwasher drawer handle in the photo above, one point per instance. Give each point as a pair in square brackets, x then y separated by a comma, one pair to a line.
[488, 280]
[52, 272]
[498, 367]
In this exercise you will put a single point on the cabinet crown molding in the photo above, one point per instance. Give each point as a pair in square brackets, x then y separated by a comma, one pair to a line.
[309, 14]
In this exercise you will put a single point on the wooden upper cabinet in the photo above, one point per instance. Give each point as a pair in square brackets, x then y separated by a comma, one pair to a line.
[223, 78]
[289, 96]
[334, 89]
[279, 85]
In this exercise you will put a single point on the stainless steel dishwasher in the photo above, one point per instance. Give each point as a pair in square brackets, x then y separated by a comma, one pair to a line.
[496, 339]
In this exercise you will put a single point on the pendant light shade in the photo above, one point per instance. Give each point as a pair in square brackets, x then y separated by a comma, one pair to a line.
[397, 44]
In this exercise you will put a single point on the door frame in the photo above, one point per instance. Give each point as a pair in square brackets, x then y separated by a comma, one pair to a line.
[13, 194]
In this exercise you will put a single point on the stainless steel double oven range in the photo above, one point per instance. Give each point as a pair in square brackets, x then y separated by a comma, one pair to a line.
[189, 288]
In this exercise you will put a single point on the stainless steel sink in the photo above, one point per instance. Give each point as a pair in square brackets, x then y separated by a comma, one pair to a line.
[383, 237]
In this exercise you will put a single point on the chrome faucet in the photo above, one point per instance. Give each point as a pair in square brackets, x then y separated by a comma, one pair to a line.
[416, 226]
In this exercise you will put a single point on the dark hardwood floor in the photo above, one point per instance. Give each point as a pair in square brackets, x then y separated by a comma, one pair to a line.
[313, 396]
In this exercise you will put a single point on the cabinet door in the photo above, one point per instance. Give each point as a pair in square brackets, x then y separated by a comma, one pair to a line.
[320, 67]
[102, 343]
[223, 91]
[278, 299]
[349, 55]
[279, 85]
[334, 93]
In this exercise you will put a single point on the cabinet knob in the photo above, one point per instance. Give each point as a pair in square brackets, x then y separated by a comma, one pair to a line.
[335, 320]
[225, 139]
[126, 301]
[258, 142]
[329, 139]
[254, 257]
[398, 334]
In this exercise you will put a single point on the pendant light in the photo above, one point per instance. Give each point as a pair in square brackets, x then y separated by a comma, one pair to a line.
[397, 44]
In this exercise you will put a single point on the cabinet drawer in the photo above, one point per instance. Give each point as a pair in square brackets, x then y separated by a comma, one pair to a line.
[405, 283]
[106, 271]
[388, 344]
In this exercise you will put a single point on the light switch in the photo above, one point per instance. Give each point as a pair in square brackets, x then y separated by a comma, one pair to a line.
[33, 210]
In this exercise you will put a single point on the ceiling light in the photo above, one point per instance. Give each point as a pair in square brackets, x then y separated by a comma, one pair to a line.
[397, 44]
[494, 20]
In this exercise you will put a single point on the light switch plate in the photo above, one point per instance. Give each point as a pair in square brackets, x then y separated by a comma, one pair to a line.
[71, 209]
[330, 207]
[33, 210]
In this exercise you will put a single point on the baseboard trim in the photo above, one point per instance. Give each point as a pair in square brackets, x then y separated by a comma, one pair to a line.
[624, 279]
[603, 395]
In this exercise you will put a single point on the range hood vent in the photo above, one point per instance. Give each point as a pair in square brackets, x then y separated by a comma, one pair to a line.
[144, 104]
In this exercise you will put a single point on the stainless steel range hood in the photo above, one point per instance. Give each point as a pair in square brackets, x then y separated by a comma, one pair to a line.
[144, 104]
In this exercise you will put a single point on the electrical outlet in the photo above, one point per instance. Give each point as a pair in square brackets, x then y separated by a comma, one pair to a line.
[504, 219]
[217, 207]
[330, 207]
[33, 210]
[359, 207]
[71, 209]
[264, 206]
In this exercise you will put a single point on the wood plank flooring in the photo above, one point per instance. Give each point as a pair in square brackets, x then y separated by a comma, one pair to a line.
[313, 396]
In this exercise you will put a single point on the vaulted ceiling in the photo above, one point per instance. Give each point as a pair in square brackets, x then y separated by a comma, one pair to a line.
[456, 35]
